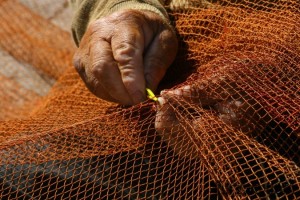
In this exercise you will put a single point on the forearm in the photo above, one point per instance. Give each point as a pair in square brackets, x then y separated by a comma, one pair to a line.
[87, 11]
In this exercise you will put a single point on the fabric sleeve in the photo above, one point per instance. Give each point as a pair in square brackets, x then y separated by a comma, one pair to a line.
[87, 11]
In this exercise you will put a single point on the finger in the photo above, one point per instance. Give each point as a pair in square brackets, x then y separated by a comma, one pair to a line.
[174, 130]
[166, 119]
[159, 56]
[194, 93]
[81, 64]
[188, 93]
[105, 70]
[127, 47]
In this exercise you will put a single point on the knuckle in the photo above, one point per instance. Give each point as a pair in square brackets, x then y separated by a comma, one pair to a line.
[97, 68]
[124, 52]
[101, 66]
[127, 73]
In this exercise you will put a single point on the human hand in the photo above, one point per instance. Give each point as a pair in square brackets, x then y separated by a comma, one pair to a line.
[171, 125]
[194, 111]
[121, 54]
[219, 89]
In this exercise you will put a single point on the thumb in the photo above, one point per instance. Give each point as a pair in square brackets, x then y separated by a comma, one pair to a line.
[159, 56]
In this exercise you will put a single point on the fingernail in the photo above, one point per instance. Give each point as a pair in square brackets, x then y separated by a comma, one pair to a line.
[161, 101]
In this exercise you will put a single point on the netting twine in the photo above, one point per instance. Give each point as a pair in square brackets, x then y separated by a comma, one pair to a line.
[228, 126]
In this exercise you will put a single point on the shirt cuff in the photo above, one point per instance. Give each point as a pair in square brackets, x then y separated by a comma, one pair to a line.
[127, 5]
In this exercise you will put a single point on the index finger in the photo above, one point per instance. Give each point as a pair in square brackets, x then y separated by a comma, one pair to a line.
[127, 47]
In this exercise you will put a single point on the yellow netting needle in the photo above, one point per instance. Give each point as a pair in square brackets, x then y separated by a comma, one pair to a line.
[151, 95]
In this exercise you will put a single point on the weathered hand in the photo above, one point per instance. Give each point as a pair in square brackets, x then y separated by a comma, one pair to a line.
[121, 54]
[183, 123]
[217, 97]
[172, 125]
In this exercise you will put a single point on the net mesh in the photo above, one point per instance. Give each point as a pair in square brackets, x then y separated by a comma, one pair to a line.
[228, 124]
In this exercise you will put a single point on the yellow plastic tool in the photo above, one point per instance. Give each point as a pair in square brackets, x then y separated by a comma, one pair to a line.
[151, 95]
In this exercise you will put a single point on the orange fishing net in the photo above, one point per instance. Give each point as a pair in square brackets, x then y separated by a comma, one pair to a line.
[227, 125]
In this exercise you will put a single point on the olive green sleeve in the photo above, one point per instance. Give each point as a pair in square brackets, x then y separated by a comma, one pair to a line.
[87, 11]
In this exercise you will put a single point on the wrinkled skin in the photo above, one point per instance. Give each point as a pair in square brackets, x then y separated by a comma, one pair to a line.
[123, 53]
